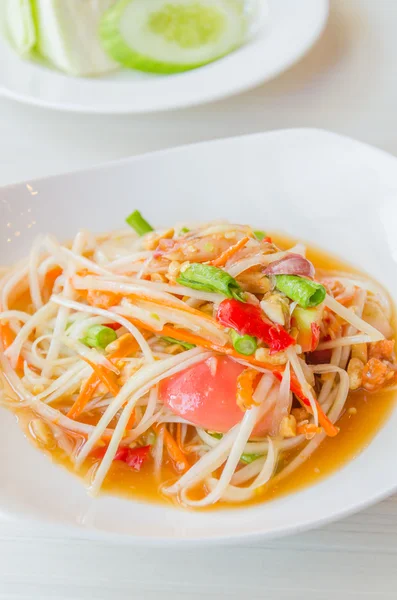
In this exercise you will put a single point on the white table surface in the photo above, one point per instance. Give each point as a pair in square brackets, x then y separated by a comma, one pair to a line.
[348, 83]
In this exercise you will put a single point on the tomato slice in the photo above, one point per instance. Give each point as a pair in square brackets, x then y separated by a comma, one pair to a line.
[205, 394]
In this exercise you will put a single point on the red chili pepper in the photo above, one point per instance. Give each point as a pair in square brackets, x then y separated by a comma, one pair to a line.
[133, 457]
[247, 319]
[114, 326]
[315, 336]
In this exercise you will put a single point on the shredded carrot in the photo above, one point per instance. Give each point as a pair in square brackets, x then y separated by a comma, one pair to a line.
[159, 301]
[106, 377]
[186, 336]
[86, 393]
[245, 388]
[308, 429]
[175, 453]
[344, 300]
[7, 337]
[126, 345]
[131, 421]
[102, 299]
[52, 275]
[227, 254]
[330, 429]
[176, 306]
[179, 435]
[123, 346]
[49, 280]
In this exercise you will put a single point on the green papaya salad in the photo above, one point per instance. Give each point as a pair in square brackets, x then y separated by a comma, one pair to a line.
[93, 37]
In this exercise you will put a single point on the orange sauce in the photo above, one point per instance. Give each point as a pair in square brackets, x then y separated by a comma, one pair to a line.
[364, 415]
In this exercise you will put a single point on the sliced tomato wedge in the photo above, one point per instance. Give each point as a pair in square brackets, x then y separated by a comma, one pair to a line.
[205, 394]
[133, 457]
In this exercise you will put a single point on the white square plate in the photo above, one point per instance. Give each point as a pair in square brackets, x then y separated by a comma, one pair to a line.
[332, 191]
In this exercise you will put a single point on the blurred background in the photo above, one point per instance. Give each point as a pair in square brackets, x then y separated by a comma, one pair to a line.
[346, 83]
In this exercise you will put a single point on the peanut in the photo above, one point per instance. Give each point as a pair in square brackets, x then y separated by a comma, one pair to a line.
[360, 351]
[288, 426]
[263, 355]
[355, 372]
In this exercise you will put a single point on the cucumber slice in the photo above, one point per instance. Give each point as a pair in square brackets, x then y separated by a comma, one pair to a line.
[170, 36]
[20, 27]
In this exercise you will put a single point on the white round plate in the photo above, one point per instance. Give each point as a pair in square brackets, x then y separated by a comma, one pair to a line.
[330, 190]
[290, 30]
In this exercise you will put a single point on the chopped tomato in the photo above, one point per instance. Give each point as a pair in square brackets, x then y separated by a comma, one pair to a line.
[114, 326]
[133, 457]
[206, 395]
[315, 336]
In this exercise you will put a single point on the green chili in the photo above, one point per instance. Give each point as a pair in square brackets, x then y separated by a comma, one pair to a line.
[210, 279]
[214, 434]
[249, 458]
[99, 336]
[305, 292]
[137, 222]
[260, 235]
[246, 458]
[244, 344]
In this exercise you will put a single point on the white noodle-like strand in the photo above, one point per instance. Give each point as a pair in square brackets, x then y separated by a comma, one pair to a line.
[350, 317]
[344, 341]
[112, 317]
[41, 316]
[63, 312]
[306, 389]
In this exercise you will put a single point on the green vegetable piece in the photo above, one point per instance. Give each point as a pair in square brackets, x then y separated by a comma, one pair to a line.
[19, 24]
[244, 344]
[214, 434]
[260, 235]
[99, 336]
[210, 279]
[169, 36]
[137, 222]
[305, 292]
[184, 230]
[249, 458]
[171, 340]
